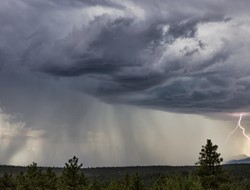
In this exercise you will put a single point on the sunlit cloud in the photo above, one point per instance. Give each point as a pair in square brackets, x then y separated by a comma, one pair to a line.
[16, 139]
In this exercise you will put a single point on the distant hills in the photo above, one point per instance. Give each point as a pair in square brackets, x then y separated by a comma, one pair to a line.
[241, 159]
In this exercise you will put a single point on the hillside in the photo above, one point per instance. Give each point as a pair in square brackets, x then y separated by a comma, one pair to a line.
[240, 161]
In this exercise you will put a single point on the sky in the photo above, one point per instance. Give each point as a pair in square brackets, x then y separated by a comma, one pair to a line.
[122, 83]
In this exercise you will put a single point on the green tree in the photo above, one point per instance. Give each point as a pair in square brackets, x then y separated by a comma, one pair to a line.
[210, 170]
[137, 183]
[160, 183]
[50, 179]
[72, 178]
[21, 182]
[209, 160]
[33, 179]
[7, 182]
[126, 182]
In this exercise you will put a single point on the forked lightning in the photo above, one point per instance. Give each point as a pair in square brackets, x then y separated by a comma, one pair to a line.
[238, 126]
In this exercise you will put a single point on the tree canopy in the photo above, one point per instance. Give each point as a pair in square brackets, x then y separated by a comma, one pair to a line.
[210, 169]
[209, 160]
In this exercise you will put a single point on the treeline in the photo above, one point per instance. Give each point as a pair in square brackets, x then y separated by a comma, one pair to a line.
[72, 178]
[209, 175]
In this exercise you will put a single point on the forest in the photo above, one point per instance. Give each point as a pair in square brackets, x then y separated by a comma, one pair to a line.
[208, 173]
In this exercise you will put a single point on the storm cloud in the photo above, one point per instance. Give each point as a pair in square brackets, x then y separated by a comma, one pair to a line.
[139, 53]
[82, 70]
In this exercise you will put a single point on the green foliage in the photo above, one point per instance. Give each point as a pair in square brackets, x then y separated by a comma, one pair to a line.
[95, 186]
[7, 182]
[126, 182]
[245, 184]
[210, 170]
[21, 182]
[72, 178]
[177, 182]
[209, 160]
[136, 183]
[50, 179]
[160, 183]
[114, 185]
[230, 186]
[32, 180]
[192, 183]
[35, 179]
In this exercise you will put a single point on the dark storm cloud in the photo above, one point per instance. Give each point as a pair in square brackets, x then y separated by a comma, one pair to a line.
[139, 53]
[57, 57]
[53, 4]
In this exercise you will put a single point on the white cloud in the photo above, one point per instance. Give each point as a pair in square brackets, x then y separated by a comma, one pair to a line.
[17, 140]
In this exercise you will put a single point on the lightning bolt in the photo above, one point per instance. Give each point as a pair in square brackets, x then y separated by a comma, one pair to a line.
[238, 126]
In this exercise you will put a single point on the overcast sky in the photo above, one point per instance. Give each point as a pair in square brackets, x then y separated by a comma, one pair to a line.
[116, 83]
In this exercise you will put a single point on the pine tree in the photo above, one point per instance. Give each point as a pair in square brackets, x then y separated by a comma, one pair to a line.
[209, 160]
[7, 182]
[50, 179]
[126, 182]
[72, 178]
[137, 183]
[210, 170]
